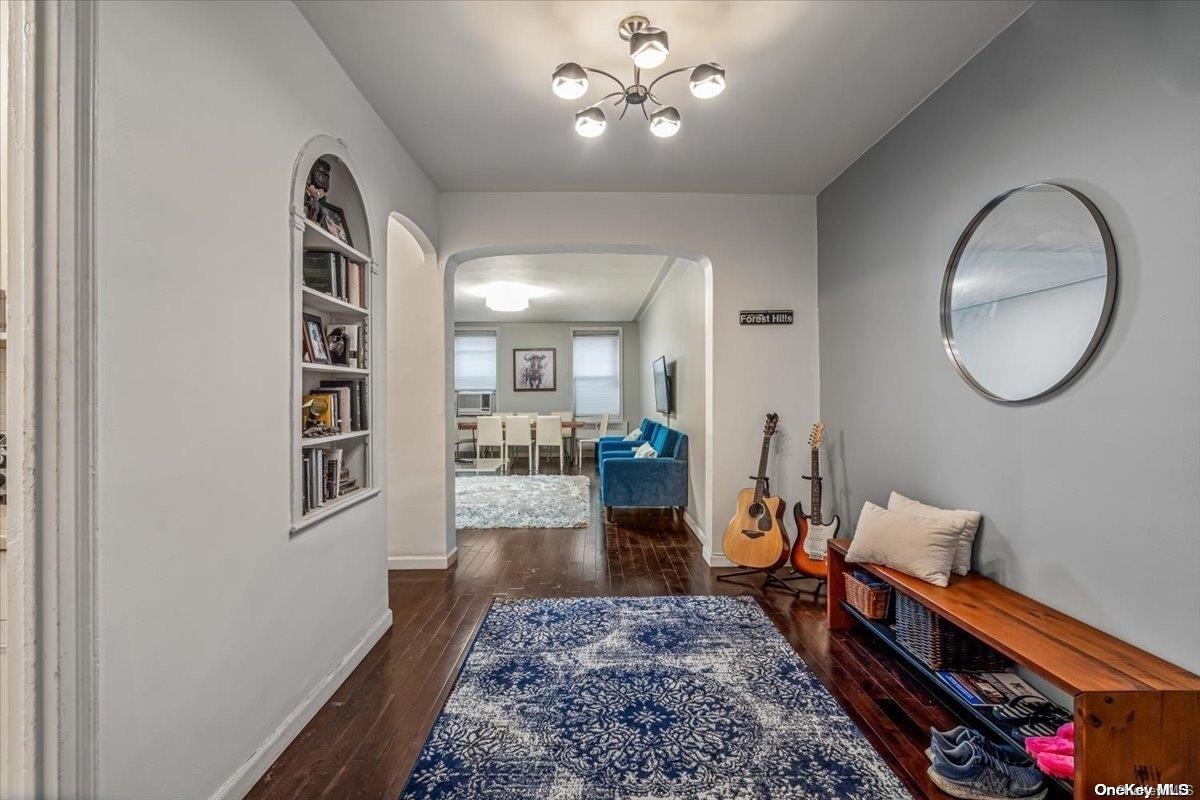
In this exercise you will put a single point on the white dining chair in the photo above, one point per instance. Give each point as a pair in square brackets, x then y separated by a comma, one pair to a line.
[517, 434]
[601, 432]
[568, 434]
[549, 434]
[462, 437]
[490, 433]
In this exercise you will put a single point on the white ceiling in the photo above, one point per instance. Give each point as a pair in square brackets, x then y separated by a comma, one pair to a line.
[581, 287]
[465, 86]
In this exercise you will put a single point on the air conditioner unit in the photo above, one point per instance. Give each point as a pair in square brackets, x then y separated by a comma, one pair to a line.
[475, 403]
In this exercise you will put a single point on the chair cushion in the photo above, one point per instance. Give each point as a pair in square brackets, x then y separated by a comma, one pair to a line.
[633, 436]
[645, 451]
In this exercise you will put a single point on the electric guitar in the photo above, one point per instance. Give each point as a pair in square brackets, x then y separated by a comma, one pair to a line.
[755, 536]
[808, 554]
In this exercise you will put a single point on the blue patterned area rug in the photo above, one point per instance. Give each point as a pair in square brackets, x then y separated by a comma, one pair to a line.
[656, 698]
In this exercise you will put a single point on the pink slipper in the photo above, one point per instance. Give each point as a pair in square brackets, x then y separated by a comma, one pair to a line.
[1067, 731]
[1057, 765]
[1036, 745]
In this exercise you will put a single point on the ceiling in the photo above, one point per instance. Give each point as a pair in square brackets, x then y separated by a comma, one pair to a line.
[465, 86]
[579, 287]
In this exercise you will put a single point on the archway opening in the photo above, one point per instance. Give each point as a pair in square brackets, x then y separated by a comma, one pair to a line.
[685, 278]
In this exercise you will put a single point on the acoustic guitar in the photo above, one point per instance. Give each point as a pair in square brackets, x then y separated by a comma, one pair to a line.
[755, 536]
[812, 539]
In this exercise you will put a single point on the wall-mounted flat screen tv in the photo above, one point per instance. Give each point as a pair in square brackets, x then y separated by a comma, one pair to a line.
[662, 387]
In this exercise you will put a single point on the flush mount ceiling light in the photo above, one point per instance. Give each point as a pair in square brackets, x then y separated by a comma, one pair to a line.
[648, 48]
[507, 295]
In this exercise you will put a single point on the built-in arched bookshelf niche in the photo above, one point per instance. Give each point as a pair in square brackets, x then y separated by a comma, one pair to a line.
[333, 342]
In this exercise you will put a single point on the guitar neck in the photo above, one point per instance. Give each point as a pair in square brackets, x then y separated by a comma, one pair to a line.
[760, 482]
[815, 509]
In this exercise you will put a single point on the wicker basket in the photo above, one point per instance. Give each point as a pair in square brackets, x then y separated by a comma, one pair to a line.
[871, 601]
[939, 644]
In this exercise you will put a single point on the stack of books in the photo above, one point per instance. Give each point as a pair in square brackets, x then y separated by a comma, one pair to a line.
[986, 688]
[323, 470]
[336, 275]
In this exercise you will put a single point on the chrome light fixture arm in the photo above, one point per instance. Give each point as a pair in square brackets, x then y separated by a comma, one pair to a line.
[650, 88]
[617, 80]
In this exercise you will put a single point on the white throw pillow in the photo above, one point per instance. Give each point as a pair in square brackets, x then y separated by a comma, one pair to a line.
[919, 546]
[633, 436]
[645, 451]
[967, 520]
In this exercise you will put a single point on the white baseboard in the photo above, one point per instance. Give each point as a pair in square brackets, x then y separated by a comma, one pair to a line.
[244, 777]
[423, 562]
[711, 558]
[717, 559]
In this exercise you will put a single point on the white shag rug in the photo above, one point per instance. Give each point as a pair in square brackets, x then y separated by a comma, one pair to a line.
[522, 501]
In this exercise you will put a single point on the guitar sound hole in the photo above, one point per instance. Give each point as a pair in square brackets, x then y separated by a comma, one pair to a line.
[755, 510]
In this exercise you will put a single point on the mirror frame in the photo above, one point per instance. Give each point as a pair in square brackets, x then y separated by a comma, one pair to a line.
[1110, 296]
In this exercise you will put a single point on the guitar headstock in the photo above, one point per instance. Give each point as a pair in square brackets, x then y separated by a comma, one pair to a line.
[817, 436]
[771, 425]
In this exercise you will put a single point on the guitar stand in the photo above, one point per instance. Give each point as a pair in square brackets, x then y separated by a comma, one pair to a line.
[772, 580]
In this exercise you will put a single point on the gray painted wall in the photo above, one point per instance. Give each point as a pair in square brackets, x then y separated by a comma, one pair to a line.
[672, 326]
[1091, 498]
[558, 335]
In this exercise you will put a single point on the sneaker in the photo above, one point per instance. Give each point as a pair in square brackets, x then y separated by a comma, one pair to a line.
[968, 771]
[948, 740]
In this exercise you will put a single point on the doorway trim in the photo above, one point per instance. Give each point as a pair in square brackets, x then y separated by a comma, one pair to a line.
[51, 746]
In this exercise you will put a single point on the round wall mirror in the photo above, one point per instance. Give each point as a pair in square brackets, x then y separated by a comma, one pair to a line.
[1028, 292]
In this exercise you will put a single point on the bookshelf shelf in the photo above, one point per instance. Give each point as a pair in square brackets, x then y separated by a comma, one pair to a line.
[332, 507]
[331, 472]
[317, 238]
[338, 368]
[319, 301]
[321, 441]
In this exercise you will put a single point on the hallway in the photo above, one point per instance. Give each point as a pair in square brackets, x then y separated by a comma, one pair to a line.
[363, 743]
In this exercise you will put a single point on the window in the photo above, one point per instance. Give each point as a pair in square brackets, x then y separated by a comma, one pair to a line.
[596, 365]
[474, 361]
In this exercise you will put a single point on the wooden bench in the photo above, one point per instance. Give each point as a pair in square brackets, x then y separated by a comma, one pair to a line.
[1137, 716]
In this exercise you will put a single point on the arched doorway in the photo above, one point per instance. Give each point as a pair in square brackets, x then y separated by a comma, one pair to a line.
[420, 526]
[701, 526]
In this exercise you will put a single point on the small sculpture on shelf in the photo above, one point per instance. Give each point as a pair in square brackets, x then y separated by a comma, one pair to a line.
[318, 417]
[315, 189]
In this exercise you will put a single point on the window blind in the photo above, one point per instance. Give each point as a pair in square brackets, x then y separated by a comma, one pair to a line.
[596, 366]
[475, 361]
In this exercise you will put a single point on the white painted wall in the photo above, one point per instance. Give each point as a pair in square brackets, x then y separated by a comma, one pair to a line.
[558, 335]
[672, 325]
[215, 625]
[415, 401]
[763, 254]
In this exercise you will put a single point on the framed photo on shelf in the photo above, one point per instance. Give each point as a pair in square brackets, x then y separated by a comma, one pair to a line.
[315, 345]
[534, 370]
[333, 219]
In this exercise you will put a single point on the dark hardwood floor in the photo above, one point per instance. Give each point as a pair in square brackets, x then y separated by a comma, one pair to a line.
[364, 741]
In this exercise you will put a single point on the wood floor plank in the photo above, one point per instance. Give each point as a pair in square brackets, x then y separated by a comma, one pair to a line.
[363, 743]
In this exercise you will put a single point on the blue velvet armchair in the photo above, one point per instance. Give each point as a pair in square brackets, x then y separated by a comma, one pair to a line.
[628, 482]
[616, 443]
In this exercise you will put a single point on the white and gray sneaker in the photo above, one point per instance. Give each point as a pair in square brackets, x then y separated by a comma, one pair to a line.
[971, 772]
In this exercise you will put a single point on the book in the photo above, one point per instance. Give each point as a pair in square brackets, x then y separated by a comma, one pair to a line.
[355, 285]
[343, 394]
[959, 688]
[319, 270]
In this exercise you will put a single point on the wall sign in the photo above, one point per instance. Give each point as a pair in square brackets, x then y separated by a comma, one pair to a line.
[765, 317]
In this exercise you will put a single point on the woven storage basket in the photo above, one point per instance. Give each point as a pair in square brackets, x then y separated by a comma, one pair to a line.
[939, 644]
[871, 602]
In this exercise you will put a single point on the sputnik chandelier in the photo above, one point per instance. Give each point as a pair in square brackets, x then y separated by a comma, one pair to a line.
[648, 49]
